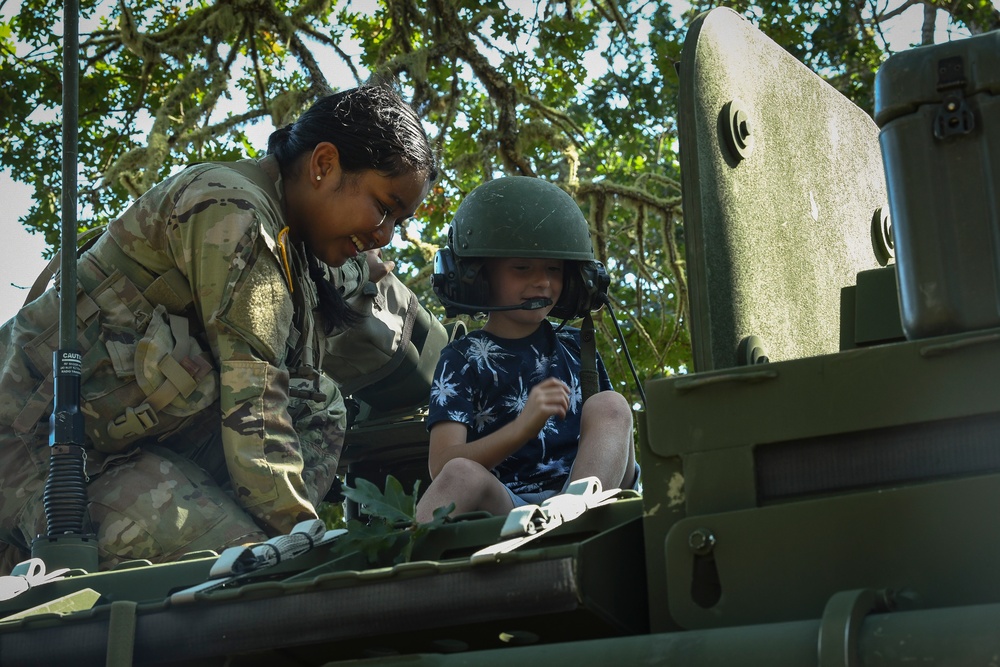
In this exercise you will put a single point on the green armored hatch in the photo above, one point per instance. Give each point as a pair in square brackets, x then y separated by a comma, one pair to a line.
[830, 473]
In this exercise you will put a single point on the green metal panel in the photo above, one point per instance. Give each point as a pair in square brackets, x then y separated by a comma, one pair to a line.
[936, 543]
[918, 382]
[663, 505]
[958, 636]
[776, 227]
[784, 434]
[876, 317]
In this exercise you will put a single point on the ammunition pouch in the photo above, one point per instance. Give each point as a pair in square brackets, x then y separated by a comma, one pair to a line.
[172, 371]
[144, 371]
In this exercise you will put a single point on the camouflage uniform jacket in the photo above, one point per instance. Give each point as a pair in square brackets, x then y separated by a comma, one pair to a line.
[195, 314]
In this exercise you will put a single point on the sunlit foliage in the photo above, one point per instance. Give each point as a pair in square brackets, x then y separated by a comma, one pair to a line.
[580, 93]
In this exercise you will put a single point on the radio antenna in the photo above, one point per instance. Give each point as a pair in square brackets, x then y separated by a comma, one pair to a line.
[65, 495]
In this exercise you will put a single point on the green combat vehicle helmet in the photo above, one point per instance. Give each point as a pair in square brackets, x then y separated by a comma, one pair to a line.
[518, 216]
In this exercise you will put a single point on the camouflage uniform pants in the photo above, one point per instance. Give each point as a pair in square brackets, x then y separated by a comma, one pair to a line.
[150, 503]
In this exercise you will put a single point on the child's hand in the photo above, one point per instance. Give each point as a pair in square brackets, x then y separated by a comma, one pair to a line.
[377, 269]
[548, 398]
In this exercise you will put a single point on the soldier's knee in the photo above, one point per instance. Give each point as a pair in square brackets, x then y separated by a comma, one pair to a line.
[157, 507]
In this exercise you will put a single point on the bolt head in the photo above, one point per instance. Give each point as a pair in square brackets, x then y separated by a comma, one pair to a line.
[701, 541]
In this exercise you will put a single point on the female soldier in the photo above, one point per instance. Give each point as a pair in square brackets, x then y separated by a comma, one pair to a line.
[202, 313]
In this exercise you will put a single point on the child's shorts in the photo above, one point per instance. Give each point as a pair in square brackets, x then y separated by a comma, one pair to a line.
[541, 496]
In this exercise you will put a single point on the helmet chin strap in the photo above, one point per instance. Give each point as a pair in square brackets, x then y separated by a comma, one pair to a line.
[589, 383]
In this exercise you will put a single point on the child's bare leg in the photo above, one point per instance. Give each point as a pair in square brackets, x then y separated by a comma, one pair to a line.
[606, 448]
[467, 484]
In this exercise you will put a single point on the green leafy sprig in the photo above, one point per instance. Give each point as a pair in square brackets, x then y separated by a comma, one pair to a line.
[392, 528]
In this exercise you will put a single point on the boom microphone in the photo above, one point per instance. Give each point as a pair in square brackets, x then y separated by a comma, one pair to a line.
[530, 304]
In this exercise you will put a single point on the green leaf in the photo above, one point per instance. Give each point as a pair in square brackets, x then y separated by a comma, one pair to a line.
[392, 506]
[399, 500]
[375, 540]
[441, 513]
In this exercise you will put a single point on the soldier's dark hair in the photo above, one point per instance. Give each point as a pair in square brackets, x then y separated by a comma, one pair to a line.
[372, 128]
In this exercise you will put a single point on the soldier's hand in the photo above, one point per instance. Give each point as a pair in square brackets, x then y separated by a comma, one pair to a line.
[377, 269]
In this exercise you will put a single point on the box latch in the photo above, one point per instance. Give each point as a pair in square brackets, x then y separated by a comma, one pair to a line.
[954, 117]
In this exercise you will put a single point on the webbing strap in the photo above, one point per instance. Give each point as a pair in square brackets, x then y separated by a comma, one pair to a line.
[121, 633]
[113, 255]
[589, 379]
[529, 522]
[179, 380]
[42, 281]
[171, 289]
[181, 375]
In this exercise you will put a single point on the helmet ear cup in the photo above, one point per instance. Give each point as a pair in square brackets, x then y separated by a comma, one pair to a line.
[460, 284]
[445, 275]
[585, 289]
[475, 286]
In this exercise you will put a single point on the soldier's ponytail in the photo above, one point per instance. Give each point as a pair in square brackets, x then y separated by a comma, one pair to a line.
[332, 307]
[276, 142]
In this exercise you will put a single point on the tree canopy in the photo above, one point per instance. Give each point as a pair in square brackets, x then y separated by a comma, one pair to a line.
[582, 93]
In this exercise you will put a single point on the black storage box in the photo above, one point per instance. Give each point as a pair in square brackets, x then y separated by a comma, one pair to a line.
[939, 113]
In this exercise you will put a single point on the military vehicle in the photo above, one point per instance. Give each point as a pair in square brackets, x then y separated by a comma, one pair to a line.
[818, 491]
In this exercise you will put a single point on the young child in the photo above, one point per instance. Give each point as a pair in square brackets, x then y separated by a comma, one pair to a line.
[508, 423]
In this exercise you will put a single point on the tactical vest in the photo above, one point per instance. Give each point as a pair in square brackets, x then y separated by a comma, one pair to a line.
[146, 369]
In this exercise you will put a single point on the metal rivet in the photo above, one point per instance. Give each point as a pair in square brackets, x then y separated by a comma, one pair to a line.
[701, 541]
[737, 129]
[882, 242]
[751, 352]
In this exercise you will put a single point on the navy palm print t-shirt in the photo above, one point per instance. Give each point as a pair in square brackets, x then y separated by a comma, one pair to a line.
[483, 381]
